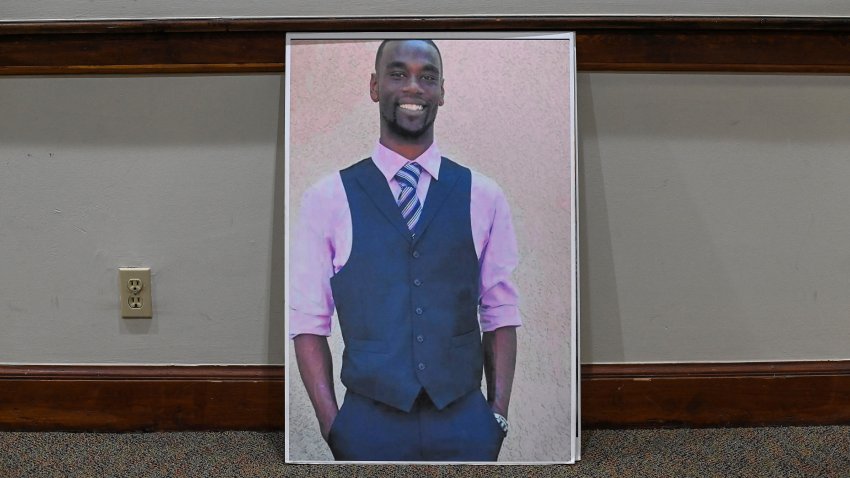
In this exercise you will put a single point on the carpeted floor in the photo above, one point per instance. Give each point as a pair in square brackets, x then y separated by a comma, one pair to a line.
[736, 452]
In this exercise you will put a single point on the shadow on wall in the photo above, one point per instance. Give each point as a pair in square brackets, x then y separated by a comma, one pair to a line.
[600, 307]
[276, 326]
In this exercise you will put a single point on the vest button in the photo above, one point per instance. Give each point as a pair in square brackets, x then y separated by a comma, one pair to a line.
[416, 254]
[419, 311]
[417, 282]
[420, 339]
[421, 366]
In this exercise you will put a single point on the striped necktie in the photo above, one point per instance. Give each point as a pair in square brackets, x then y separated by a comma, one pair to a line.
[408, 202]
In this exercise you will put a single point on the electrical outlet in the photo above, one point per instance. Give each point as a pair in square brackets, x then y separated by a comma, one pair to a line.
[134, 285]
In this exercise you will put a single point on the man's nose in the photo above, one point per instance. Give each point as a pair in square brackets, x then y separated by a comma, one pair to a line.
[412, 86]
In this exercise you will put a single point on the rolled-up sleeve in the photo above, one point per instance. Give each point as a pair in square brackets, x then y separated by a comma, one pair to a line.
[499, 299]
[311, 256]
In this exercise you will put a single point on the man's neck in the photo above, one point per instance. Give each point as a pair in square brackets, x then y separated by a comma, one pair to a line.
[406, 149]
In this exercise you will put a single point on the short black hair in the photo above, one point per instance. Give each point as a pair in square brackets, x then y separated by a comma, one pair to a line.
[381, 49]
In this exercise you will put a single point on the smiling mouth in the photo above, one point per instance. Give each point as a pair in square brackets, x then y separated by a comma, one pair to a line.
[411, 107]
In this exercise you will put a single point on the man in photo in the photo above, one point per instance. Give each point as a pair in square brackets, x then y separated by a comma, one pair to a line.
[415, 253]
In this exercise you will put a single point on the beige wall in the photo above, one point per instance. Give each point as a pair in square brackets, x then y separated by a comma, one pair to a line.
[715, 217]
[86, 9]
[506, 115]
[714, 213]
[177, 173]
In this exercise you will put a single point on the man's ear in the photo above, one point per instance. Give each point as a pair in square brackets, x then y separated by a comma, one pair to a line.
[373, 87]
[442, 91]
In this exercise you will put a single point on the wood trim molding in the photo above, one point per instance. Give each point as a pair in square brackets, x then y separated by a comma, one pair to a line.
[132, 398]
[428, 23]
[732, 369]
[153, 373]
[725, 44]
[129, 398]
[140, 53]
[710, 395]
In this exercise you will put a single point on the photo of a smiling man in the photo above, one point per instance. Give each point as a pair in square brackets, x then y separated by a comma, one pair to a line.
[414, 255]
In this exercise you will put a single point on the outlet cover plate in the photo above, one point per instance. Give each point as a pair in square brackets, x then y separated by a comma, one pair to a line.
[129, 280]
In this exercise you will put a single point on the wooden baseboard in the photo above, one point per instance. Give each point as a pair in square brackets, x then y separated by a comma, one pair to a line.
[132, 398]
[147, 398]
[716, 395]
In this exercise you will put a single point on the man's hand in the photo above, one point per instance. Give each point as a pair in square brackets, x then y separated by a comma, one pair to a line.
[316, 365]
[499, 364]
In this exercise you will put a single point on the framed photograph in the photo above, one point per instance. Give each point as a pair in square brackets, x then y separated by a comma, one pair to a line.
[431, 250]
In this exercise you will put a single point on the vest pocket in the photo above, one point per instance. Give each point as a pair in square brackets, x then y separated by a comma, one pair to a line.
[465, 339]
[374, 346]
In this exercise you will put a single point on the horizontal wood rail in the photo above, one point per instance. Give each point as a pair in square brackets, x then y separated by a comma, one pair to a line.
[133, 398]
[709, 44]
[720, 394]
[429, 23]
[130, 398]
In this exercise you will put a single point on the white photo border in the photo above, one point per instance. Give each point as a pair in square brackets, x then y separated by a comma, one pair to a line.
[575, 390]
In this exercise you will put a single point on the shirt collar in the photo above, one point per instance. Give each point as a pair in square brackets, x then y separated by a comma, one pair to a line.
[389, 162]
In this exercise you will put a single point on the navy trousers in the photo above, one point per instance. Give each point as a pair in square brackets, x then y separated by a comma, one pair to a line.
[366, 430]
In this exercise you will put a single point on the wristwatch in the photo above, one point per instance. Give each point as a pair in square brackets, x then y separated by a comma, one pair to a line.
[503, 422]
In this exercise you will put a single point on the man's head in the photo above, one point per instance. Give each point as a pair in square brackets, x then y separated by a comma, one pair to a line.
[408, 86]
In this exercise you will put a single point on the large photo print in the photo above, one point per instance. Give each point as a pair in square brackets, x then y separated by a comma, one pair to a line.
[431, 248]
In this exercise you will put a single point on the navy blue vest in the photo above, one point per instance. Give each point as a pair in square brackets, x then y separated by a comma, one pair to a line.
[407, 306]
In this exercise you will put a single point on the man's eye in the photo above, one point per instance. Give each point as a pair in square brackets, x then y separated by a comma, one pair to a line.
[429, 78]
[396, 74]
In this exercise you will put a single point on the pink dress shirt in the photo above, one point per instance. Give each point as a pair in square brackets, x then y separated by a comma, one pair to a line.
[322, 244]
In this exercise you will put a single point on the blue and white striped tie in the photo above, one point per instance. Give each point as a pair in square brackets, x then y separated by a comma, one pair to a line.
[408, 202]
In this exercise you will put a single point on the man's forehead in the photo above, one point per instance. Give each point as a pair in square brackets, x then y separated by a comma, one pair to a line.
[396, 50]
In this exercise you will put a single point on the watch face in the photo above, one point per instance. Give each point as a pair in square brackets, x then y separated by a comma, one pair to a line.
[503, 422]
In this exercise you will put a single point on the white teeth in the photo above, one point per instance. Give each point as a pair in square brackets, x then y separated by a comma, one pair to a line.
[411, 107]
